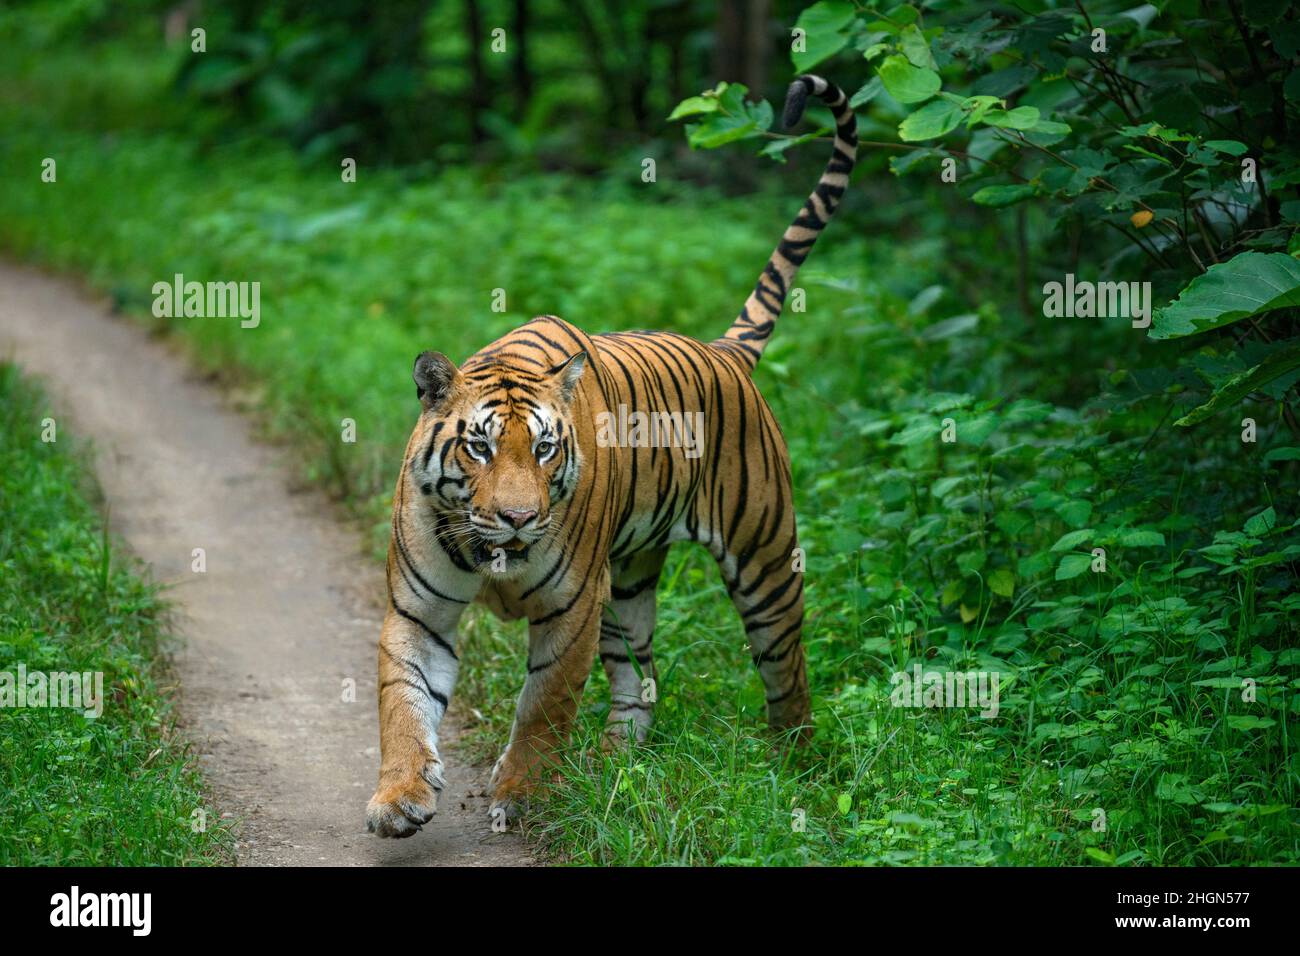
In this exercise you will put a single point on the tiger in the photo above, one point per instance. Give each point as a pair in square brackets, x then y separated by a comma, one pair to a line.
[516, 492]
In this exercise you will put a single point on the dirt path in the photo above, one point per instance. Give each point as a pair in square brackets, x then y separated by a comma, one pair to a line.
[287, 610]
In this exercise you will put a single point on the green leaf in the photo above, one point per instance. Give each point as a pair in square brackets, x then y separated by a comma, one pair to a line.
[999, 196]
[952, 591]
[720, 130]
[735, 119]
[1050, 128]
[1248, 722]
[1022, 117]
[947, 328]
[1075, 512]
[1143, 151]
[1229, 146]
[693, 105]
[1071, 539]
[1073, 565]
[977, 106]
[916, 48]
[866, 93]
[1141, 538]
[976, 429]
[1177, 788]
[907, 83]
[1261, 524]
[917, 431]
[823, 24]
[903, 13]
[844, 803]
[933, 119]
[1002, 583]
[1034, 564]
[1285, 453]
[1238, 386]
[775, 148]
[1246, 285]
[1291, 86]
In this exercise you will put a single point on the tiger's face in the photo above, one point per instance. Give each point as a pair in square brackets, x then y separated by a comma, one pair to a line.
[499, 452]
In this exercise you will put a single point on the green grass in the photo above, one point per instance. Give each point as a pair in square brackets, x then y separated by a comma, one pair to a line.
[120, 789]
[1121, 691]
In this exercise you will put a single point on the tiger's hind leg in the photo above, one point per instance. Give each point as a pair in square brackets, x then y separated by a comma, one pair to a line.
[762, 568]
[626, 633]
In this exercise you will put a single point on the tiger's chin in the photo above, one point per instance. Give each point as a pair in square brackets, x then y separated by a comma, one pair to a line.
[504, 559]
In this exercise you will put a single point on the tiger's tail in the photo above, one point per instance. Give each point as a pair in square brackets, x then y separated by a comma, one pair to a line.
[753, 327]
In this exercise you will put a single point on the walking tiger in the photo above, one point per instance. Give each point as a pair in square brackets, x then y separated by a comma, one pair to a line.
[506, 496]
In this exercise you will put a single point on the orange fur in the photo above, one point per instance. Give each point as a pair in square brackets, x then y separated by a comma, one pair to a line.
[516, 492]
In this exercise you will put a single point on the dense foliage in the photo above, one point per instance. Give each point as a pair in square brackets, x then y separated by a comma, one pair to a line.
[1148, 691]
[120, 789]
[1171, 127]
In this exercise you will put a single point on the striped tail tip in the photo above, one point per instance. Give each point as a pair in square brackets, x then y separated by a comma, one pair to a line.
[752, 328]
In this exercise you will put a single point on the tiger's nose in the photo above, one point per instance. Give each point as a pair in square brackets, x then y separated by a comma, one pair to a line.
[518, 518]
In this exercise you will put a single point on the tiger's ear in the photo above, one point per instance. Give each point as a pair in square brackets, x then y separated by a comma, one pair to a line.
[434, 377]
[569, 372]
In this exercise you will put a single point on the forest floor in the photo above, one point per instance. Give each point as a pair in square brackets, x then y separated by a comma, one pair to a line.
[277, 663]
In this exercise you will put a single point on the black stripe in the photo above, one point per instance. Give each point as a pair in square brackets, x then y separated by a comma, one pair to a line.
[437, 639]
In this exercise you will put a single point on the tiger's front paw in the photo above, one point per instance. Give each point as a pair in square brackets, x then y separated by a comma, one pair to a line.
[403, 804]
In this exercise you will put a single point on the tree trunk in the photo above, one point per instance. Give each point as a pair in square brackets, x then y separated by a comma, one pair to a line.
[638, 74]
[611, 85]
[727, 41]
[522, 73]
[477, 98]
[757, 47]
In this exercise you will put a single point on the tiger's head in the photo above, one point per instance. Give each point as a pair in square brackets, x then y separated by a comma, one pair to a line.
[498, 451]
